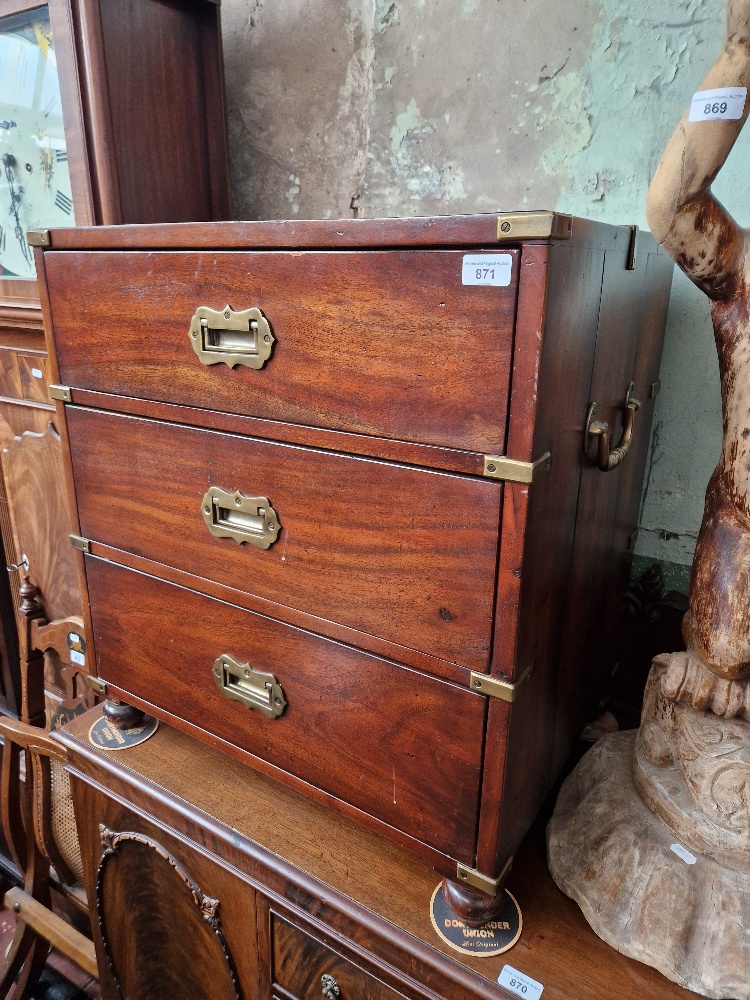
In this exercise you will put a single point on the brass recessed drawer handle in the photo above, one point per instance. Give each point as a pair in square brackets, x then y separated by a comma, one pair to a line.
[252, 688]
[607, 459]
[232, 338]
[330, 987]
[245, 519]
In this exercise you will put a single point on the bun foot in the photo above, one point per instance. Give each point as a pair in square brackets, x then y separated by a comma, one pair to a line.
[473, 908]
[122, 716]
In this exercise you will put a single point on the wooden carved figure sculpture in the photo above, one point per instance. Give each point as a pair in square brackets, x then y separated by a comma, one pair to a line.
[651, 834]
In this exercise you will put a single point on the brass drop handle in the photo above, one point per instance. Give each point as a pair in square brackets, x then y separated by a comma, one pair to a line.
[330, 987]
[231, 337]
[608, 459]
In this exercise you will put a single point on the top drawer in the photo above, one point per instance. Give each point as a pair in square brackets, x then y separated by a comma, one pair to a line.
[384, 343]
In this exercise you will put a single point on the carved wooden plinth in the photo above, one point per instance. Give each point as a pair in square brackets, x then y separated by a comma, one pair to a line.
[682, 779]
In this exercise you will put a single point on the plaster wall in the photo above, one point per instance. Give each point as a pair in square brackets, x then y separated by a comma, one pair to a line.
[412, 107]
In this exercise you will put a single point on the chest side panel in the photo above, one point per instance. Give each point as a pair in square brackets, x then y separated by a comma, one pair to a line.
[391, 344]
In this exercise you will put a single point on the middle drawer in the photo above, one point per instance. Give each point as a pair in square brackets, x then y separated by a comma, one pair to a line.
[403, 554]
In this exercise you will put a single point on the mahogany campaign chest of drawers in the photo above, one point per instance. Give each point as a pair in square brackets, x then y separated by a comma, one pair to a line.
[338, 495]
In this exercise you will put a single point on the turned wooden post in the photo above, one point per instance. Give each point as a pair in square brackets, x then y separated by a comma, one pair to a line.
[121, 715]
[32, 659]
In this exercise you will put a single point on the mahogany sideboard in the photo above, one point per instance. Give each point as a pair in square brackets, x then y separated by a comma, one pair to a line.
[350, 502]
[209, 880]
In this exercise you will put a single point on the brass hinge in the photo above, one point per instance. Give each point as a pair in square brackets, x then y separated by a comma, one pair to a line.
[83, 544]
[493, 687]
[61, 392]
[534, 226]
[95, 684]
[512, 471]
[38, 237]
[491, 886]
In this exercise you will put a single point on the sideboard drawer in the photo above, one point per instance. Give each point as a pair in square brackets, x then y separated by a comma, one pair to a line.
[396, 744]
[300, 962]
[391, 344]
[400, 553]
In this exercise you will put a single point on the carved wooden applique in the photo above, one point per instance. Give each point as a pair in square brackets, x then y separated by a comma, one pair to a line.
[166, 940]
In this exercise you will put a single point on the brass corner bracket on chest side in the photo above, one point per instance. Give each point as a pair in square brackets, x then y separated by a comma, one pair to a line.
[493, 687]
[515, 226]
[512, 471]
[82, 544]
[490, 886]
[61, 392]
[38, 238]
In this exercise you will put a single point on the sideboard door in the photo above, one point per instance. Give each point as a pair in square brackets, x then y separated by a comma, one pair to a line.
[168, 920]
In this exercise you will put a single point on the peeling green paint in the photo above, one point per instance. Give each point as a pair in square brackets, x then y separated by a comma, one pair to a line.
[569, 111]
[383, 107]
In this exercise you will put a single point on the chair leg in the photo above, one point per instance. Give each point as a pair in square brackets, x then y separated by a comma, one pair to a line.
[23, 964]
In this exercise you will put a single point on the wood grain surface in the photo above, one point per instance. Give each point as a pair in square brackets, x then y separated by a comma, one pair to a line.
[389, 344]
[408, 452]
[415, 760]
[141, 898]
[300, 962]
[429, 231]
[35, 479]
[349, 888]
[178, 171]
[536, 564]
[401, 553]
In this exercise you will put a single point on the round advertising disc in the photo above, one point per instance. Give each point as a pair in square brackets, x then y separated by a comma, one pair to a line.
[497, 935]
[103, 734]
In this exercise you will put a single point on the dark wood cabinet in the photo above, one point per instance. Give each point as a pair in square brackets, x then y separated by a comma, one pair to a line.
[211, 880]
[348, 464]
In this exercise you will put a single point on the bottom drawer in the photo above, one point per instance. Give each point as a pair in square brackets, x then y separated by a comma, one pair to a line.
[307, 970]
[398, 745]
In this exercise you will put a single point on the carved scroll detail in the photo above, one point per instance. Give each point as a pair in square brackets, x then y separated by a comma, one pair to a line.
[208, 906]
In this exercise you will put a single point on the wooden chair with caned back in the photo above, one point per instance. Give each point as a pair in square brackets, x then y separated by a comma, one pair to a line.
[38, 819]
[37, 811]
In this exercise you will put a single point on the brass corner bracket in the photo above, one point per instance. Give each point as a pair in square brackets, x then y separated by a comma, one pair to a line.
[493, 687]
[490, 886]
[95, 684]
[512, 471]
[38, 238]
[61, 392]
[82, 544]
[515, 226]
